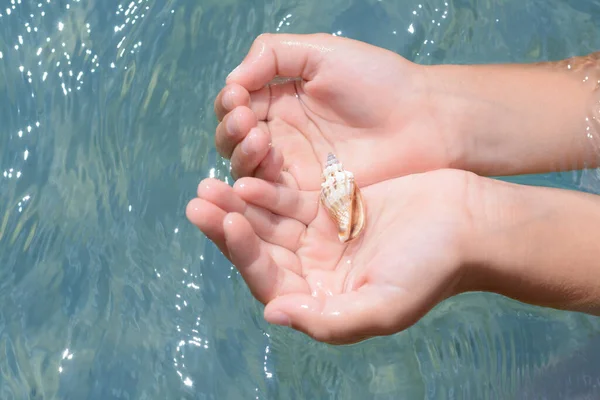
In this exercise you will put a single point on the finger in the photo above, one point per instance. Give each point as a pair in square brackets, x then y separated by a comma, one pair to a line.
[341, 319]
[260, 102]
[234, 95]
[286, 55]
[271, 228]
[249, 254]
[277, 99]
[233, 129]
[230, 97]
[275, 229]
[250, 153]
[271, 166]
[209, 219]
[279, 199]
[221, 195]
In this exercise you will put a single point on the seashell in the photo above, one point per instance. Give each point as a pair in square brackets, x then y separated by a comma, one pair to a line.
[342, 199]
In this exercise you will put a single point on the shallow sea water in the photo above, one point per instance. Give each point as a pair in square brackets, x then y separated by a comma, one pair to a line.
[107, 292]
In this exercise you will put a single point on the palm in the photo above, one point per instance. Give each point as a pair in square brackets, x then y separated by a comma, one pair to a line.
[365, 104]
[287, 249]
[427, 212]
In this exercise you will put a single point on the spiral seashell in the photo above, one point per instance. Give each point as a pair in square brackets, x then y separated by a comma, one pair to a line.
[342, 199]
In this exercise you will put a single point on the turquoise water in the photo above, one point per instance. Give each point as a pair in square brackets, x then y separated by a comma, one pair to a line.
[107, 292]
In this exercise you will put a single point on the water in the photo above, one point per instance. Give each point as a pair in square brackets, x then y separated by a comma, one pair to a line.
[107, 292]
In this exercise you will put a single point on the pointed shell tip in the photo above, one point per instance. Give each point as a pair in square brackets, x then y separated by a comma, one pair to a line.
[331, 159]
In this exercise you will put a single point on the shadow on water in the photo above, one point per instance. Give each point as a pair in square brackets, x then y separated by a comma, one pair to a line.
[106, 291]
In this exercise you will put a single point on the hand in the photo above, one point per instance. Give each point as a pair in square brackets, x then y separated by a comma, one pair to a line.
[367, 105]
[409, 257]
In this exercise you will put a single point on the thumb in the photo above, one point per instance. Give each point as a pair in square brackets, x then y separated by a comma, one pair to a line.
[285, 55]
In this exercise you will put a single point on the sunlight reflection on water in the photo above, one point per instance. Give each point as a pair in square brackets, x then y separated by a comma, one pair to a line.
[106, 291]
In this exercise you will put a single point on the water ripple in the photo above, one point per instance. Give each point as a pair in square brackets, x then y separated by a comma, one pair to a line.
[106, 291]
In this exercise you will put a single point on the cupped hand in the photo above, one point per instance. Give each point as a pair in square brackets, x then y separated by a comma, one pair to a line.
[409, 257]
[367, 105]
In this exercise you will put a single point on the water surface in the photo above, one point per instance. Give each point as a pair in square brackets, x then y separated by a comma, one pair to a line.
[107, 292]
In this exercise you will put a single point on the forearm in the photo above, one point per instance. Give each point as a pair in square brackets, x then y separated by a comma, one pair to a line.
[538, 245]
[521, 118]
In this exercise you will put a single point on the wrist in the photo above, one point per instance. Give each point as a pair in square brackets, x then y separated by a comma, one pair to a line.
[518, 118]
[497, 210]
[452, 99]
[492, 208]
[536, 245]
[442, 96]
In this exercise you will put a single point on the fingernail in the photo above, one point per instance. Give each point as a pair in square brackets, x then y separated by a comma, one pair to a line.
[231, 125]
[235, 71]
[228, 101]
[246, 143]
[202, 188]
[279, 318]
